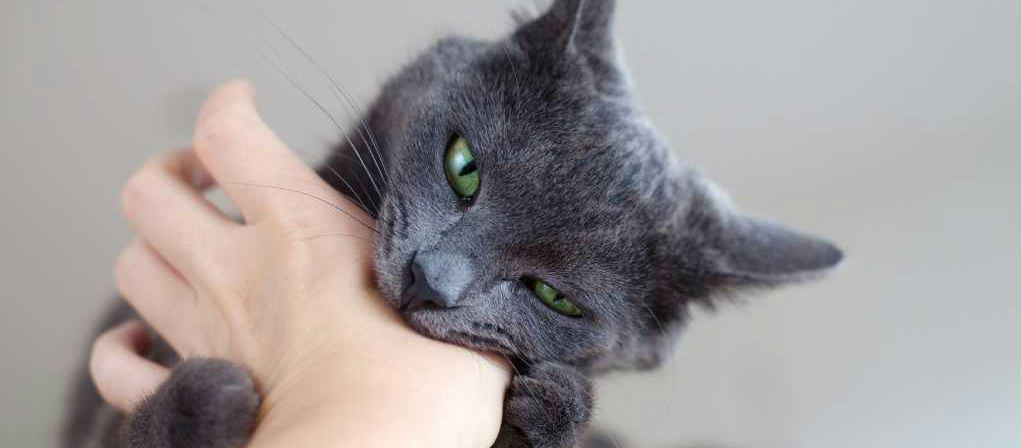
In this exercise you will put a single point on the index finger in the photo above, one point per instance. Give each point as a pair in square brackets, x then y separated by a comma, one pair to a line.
[259, 173]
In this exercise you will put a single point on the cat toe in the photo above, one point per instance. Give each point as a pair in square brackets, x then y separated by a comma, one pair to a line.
[550, 406]
[215, 403]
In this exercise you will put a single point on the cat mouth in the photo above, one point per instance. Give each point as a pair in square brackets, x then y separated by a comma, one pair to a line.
[407, 296]
[430, 323]
[436, 322]
[407, 291]
[477, 342]
[409, 302]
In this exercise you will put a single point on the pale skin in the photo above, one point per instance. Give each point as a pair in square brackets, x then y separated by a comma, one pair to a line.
[288, 294]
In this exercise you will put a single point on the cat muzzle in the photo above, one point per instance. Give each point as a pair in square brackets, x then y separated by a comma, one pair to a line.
[438, 281]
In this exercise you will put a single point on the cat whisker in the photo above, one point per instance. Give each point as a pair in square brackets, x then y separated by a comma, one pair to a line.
[336, 234]
[338, 91]
[336, 124]
[354, 112]
[662, 331]
[357, 197]
[510, 61]
[613, 439]
[365, 202]
[374, 213]
[317, 198]
[673, 354]
[357, 180]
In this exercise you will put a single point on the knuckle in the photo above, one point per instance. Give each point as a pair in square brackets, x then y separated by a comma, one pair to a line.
[221, 126]
[123, 271]
[133, 193]
[96, 352]
[99, 367]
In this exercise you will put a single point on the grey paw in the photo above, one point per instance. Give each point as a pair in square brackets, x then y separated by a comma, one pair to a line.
[206, 403]
[219, 398]
[550, 406]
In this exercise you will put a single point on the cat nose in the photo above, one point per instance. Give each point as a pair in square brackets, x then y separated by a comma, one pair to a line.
[440, 280]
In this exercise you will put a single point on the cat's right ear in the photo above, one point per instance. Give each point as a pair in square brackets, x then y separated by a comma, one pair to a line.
[580, 26]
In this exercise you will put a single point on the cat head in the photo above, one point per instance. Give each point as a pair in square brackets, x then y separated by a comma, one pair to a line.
[533, 210]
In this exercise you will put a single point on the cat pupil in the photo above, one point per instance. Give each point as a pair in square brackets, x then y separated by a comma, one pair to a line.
[467, 169]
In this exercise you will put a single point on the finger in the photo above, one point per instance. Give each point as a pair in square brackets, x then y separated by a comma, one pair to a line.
[255, 168]
[162, 202]
[122, 376]
[158, 293]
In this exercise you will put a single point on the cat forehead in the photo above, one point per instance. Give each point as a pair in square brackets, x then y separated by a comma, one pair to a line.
[550, 145]
[507, 75]
[548, 141]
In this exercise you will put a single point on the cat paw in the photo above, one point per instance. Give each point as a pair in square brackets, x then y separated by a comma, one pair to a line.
[206, 403]
[221, 398]
[550, 406]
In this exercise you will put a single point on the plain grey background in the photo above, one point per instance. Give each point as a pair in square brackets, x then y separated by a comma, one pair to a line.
[891, 126]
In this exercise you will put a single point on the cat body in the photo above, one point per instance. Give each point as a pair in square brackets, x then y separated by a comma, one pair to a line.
[566, 237]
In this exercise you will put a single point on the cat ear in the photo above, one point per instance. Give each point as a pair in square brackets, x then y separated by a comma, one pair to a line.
[758, 252]
[581, 26]
[714, 244]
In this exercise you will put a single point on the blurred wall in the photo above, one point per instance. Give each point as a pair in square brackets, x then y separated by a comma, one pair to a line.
[891, 126]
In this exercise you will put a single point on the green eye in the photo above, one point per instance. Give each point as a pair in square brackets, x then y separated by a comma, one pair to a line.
[459, 164]
[553, 299]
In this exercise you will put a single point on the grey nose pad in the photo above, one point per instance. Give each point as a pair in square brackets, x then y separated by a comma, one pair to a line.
[440, 280]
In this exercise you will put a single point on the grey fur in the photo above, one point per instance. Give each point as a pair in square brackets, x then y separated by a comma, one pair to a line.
[577, 189]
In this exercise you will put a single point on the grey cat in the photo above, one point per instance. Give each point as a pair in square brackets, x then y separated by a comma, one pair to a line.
[527, 207]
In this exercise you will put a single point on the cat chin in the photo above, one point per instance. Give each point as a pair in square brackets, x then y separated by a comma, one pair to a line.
[442, 326]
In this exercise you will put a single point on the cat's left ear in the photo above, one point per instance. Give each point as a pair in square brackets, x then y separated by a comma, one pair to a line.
[755, 252]
[714, 245]
[578, 26]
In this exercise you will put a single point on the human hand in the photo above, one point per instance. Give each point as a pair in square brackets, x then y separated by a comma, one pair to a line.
[287, 294]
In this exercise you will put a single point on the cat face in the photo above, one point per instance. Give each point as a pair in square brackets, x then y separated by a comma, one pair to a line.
[532, 211]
